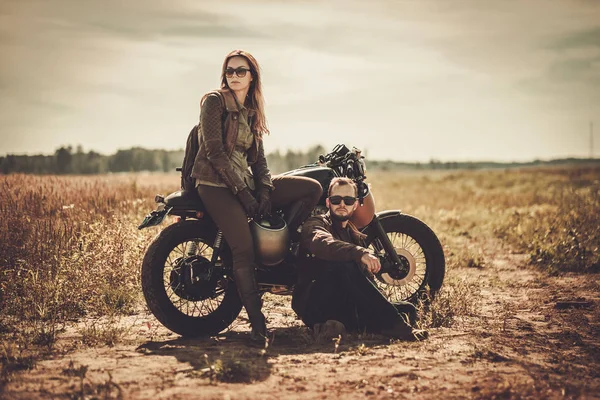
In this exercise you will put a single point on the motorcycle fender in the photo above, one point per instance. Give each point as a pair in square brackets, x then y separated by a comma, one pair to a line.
[381, 216]
[155, 217]
[177, 225]
[387, 214]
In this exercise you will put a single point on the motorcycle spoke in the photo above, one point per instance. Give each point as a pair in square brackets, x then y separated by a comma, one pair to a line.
[172, 263]
[414, 289]
[209, 306]
[181, 249]
[204, 248]
[199, 307]
[203, 308]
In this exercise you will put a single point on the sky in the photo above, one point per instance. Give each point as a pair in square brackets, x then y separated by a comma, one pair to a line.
[460, 80]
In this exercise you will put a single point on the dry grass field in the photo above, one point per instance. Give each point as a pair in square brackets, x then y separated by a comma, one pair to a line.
[518, 316]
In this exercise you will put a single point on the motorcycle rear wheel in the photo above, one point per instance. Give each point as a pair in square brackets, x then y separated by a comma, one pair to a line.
[418, 246]
[197, 308]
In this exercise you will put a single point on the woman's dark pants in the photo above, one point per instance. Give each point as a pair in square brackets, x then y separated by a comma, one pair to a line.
[229, 215]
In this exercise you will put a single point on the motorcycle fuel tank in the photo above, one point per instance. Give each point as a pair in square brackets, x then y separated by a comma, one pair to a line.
[364, 214]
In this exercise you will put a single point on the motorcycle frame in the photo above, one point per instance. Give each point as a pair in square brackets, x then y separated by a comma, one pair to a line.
[343, 163]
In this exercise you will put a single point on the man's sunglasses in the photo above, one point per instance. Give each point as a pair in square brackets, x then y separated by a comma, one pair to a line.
[240, 72]
[336, 200]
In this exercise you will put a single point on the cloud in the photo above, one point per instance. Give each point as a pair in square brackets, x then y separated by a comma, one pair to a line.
[581, 39]
[427, 78]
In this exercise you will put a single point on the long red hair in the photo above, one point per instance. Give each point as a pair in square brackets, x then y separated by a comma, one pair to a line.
[255, 95]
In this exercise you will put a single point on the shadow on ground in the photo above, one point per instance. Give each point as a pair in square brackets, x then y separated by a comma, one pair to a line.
[231, 356]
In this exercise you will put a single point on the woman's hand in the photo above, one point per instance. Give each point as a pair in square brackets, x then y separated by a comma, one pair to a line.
[264, 202]
[248, 202]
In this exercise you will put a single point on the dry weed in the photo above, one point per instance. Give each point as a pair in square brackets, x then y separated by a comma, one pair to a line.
[458, 299]
[69, 247]
[13, 358]
[108, 333]
[227, 369]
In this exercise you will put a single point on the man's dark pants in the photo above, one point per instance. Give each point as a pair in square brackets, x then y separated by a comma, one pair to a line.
[342, 292]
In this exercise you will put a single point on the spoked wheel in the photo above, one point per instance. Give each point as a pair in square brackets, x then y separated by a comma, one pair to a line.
[421, 258]
[184, 290]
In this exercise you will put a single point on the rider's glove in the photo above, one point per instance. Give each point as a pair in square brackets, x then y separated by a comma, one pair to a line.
[264, 201]
[248, 201]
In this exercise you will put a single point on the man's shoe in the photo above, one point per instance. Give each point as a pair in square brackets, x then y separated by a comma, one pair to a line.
[401, 330]
[407, 309]
[420, 334]
[328, 330]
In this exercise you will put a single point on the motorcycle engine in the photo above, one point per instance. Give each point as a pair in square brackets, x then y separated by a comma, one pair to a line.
[319, 210]
[193, 279]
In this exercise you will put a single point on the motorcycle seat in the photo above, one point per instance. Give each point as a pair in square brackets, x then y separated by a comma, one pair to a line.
[188, 199]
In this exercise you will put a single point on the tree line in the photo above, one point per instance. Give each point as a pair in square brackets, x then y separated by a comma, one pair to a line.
[67, 160]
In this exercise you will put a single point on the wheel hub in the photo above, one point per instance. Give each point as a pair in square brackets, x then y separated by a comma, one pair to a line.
[193, 278]
[402, 274]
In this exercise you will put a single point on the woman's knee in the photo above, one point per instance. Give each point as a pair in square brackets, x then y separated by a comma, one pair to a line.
[315, 190]
[311, 190]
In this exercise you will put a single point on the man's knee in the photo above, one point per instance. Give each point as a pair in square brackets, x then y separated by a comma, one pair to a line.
[346, 268]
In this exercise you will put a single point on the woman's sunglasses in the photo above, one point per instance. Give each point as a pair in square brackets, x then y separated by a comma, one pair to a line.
[336, 200]
[240, 72]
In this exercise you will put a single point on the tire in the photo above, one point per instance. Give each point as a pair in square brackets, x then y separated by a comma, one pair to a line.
[161, 266]
[419, 245]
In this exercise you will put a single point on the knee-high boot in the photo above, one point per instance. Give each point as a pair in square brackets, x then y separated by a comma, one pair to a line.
[245, 280]
[297, 213]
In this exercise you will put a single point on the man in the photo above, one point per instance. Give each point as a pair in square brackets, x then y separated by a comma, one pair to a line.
[332, 281]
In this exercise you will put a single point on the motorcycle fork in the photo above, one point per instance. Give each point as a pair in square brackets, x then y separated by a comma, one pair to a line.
[386, 243]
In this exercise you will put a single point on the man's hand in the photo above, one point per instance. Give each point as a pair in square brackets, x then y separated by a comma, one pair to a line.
[371, 263]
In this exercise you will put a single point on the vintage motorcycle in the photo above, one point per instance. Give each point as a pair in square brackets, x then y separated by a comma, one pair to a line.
[187, 273]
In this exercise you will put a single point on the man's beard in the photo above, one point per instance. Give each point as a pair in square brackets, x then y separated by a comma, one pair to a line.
[340, 218]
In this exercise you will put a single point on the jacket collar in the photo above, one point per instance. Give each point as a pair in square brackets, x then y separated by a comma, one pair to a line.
[230, 102]
[355, 234]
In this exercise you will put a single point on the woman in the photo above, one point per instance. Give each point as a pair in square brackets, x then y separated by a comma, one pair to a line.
[230, 137]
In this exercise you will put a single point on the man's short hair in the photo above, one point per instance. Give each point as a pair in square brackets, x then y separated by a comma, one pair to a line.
[342, 181]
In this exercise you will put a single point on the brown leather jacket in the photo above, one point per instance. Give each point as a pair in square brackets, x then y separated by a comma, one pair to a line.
[217, 135]
[322, 242]
[327, 241]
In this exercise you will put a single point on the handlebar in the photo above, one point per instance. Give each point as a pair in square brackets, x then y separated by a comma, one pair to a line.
[349, 164]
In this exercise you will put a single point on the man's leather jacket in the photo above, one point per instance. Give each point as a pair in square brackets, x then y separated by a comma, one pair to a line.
[217, 135]
[324, 241]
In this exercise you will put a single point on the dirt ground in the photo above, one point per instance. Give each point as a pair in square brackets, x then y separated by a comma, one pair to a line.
[533, 336]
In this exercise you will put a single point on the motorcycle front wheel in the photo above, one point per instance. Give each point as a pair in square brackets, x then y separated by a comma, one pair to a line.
[421, 254]
[185, 291]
